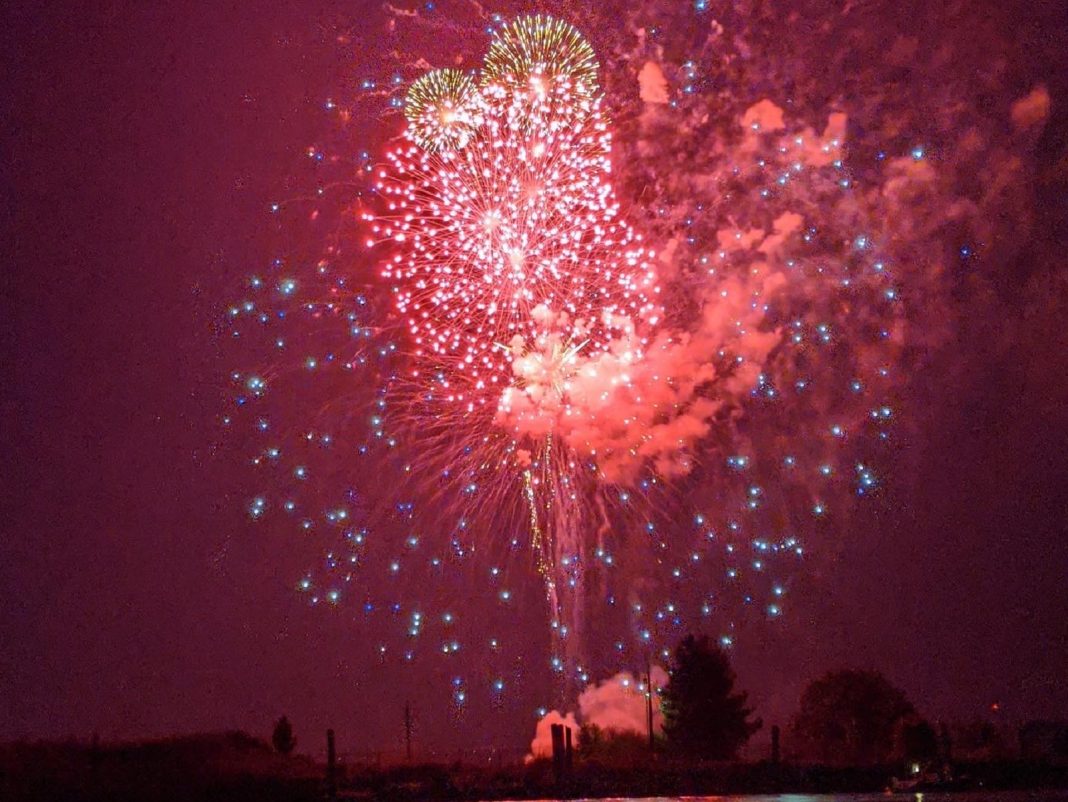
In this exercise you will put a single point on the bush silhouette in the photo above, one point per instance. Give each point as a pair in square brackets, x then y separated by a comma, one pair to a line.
[282, 738]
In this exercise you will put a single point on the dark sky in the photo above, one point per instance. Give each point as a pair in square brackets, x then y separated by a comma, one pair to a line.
[144, 142]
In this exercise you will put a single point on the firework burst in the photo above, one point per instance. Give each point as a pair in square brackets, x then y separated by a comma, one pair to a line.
[513, 244]
[658, 429]
[545, 49]
[515, 273]
[440, 110]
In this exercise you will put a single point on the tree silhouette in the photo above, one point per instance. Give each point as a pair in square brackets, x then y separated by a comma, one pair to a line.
[851, 717]
[611, 746]
[703, 717]
[919, 741]
[282, 737]
[945, 742]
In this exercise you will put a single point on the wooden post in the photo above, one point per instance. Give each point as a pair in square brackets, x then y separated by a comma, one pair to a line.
[408, 731]
[558, 751]
[569, 754]
[331, 766]
[95, 754]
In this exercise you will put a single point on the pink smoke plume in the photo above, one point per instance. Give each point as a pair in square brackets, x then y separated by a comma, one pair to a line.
[634, 403]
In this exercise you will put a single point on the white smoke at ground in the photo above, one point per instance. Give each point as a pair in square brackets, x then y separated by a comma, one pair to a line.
[542, 745]
[619, 704]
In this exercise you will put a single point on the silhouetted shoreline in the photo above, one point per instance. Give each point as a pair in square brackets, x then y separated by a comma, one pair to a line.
[236, 766]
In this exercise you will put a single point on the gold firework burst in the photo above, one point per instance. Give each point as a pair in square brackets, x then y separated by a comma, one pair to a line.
[440, 110]
[545, 48]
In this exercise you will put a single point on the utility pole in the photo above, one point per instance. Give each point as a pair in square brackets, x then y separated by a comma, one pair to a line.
[408, 730]
[649, 701]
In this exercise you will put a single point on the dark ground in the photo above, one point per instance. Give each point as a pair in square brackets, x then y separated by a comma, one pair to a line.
[234, 766]
[142, 144]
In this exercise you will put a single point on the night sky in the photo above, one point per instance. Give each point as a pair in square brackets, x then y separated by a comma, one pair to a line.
[145, 143]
